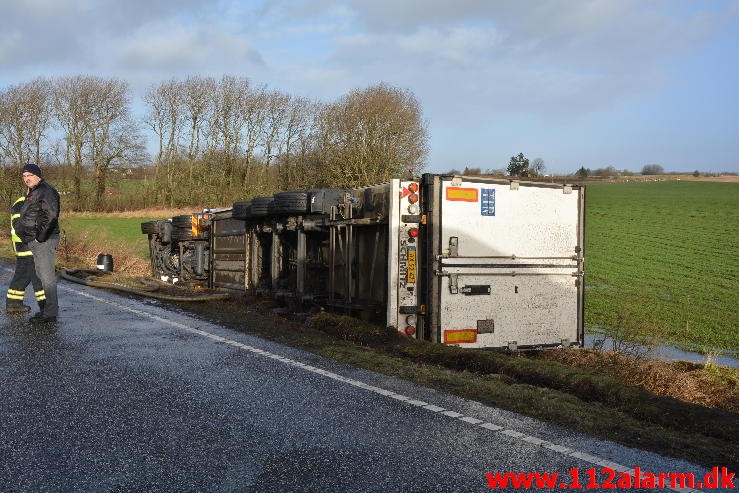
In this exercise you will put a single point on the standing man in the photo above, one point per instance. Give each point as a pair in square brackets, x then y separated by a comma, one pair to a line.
[25, 271]
[38, 227]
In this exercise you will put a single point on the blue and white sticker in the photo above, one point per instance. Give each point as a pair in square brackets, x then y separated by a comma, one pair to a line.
[487, 204]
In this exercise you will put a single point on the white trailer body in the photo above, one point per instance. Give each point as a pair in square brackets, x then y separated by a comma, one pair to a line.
[495, 264]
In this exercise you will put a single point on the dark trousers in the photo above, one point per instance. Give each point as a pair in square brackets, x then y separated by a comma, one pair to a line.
[44, 258]
[25, 274]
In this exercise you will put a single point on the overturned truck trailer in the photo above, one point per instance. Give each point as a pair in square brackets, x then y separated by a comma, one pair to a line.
[467, 261]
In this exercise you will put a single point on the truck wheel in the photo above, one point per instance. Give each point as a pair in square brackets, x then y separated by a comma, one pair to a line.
[290, 202]
[241, 209]
[260, 206]
[184, 221]
[150, 227]
[181, 234]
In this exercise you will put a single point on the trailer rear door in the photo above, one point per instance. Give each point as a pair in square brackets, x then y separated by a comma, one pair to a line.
[508, 263]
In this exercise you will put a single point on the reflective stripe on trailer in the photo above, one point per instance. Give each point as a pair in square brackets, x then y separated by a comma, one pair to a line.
[459, 336]
[462, 194]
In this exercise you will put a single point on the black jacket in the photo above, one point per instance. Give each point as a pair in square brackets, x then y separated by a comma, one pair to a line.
[40, 214]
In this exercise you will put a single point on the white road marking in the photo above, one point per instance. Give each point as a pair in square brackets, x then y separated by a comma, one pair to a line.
[433, 408]
[531, 440]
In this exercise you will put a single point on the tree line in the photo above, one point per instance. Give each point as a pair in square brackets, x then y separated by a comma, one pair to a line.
[611, 172]
[216, 139]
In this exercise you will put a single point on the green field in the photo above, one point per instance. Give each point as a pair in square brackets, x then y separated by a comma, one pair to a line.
[663, 258]
[115, 230]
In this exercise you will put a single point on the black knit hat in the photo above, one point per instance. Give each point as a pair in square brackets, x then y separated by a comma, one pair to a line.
[32, 168]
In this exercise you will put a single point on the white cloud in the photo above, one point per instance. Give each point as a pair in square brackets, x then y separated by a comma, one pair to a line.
[465, 45]
[176, 48]
[65, 32]
[555, 59]
[8, 45]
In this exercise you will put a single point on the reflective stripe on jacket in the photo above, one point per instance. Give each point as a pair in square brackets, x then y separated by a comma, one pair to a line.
[19, 247]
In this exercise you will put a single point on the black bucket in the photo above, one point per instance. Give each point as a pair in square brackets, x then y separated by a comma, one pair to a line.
[105, 262]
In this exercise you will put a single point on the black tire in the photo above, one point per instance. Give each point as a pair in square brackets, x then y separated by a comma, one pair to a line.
[150, 227]
[285, 208]
[290, 202]
[182, 221]
[181, 234]
[241, 209]
[260, 206]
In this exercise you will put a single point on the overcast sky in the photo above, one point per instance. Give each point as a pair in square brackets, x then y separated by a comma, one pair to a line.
[589, 83]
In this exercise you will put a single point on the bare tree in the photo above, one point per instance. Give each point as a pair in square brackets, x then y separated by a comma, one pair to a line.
[229, 120]
[372, 134]
[156, 117]
[39, 94]
[110, 107]
[607, 172]
[255, 113]
[25, 118]
[95, 118]
[127, 145]
[73, 108]
[114, 135]
[278, 106]
[12, 133]
[652, 169]
[537, 167]
[296, 141]
[197, 93]
[165, 118]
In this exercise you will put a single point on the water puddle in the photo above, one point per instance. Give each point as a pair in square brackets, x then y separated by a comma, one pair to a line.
[671, 353]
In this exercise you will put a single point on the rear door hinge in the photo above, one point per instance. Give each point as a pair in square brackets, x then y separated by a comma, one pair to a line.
[453, 246]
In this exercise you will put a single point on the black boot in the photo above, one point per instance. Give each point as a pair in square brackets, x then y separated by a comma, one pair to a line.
[12, 306]
[40, 318]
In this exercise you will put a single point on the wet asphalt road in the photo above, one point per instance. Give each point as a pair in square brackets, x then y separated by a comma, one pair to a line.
[123, 395]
